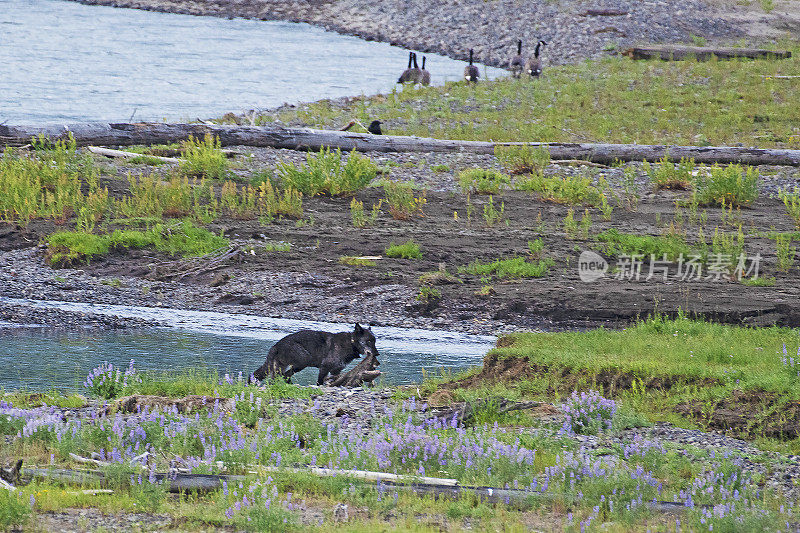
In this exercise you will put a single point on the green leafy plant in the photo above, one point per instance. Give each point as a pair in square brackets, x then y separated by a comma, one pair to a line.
[480, 181]
[785, 252]
[667, 175]
[204, 158]
[359, 218]
[428, 294]
[523, 159]
[403, 203]
[792, 203]
[407, 250]
[535, 247]
[564, 190]
[731, 186]
[324, 173]
[491, 215]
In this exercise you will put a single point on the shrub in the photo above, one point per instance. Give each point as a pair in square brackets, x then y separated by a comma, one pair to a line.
[49, 184]
[324, 173]
[523, 158]
[536, 246]
[262, 201]
[482, 181]
[588, 413]
[107, 382]
[403, 204]
[667, 175]
[204, 159]
[728, 186]
[428, 294]
[407, 250]
[513, 268]
[491, 215]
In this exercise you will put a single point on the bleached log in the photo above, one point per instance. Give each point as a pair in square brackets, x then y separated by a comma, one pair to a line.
[366, 475]
[702, 53]
[108, 152]
[276, 136]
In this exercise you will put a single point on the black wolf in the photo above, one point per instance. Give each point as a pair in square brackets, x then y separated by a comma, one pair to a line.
[330, 352]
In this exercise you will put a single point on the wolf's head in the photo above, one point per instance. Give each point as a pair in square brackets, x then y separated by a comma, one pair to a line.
[364, 341]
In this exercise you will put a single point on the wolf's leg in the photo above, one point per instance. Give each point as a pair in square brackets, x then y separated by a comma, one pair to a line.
[322, 373]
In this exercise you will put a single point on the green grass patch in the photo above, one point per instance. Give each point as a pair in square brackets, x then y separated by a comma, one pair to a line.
[680, 352]
[407, 250]
[146, 160]
[513, 268]
[185, 239]
[613, 100]
[616, 243]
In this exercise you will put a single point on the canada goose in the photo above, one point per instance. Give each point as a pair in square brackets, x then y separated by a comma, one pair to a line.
[375, 127]
[426, 75]
[471, 72]
[408, 72]
[517, 62]
[533, 65]
[416, 72]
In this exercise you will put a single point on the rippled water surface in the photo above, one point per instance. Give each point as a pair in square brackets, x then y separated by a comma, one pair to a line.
[63, 61]
[41, 358]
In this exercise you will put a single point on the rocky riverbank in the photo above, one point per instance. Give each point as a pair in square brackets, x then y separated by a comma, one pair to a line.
[573, 29]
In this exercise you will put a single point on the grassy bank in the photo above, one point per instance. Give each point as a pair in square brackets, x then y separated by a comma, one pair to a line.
[561, 486]
[745, 381]
[611, 100]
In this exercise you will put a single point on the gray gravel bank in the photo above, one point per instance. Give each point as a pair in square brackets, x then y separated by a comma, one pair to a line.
[452, 27]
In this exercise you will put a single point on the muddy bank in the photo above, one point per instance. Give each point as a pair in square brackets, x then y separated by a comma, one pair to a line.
[492, 28]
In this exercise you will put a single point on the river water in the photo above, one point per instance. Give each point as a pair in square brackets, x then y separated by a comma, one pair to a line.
[39, 358]
[66, 62]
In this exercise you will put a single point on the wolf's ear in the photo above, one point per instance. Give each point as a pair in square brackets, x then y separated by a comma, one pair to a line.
[359, 329]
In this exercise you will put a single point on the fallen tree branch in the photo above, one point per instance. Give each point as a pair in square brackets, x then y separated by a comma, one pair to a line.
[177, 270]
[464, 414]
[365, 372]
[578, 162]
[702, 53]
[208, 482]
[309, 139]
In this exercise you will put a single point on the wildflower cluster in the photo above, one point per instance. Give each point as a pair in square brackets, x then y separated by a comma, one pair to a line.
[791, 364]
[588, 413]
[615, 486]
[108, 382]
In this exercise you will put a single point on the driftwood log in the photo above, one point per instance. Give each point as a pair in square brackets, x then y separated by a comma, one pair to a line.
[311, 139]
[179, 482]
[464, 414]
[364, 373]
[701, 53]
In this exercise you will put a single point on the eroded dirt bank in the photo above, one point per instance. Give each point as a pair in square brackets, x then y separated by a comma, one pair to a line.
[309, 281]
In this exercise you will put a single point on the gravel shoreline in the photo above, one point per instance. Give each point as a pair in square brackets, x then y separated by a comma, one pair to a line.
[453, 27]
